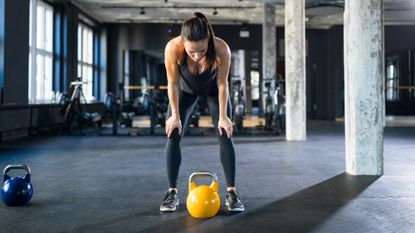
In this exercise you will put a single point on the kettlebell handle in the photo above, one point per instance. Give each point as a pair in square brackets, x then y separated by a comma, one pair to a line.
[202, 174]
[19, 166]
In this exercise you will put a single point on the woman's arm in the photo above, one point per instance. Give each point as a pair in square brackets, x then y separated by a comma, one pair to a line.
[224, 61]
[170, 61]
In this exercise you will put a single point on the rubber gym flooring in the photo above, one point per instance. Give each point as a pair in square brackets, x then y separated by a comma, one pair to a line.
[115, 184]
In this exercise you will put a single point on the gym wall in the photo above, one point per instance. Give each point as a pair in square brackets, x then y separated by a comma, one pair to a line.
[1, 49]
[16, 56]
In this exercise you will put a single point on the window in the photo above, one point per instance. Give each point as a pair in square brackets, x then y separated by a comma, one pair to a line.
[412, 74]
[40, 52]
[85, 59]
[254, 84]
[392, 78]
[126, 74]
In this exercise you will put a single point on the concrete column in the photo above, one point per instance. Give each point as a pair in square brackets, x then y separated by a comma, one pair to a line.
[295, 70]
[363, 77]
[269, 48]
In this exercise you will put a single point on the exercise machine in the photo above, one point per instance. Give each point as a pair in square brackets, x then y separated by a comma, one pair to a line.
[74, 114]
[238, 106]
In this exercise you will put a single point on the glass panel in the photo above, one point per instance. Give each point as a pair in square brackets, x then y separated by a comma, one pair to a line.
[40, 26]
[126, 63]
[90, 47]
[413, 74]
[85, 79]
[79, 70]
[41, 71]
[40, 75]
[390, 83]
[126, 79]
[90, 83]
[392, 78]
[79, 43]
[48, 78]
[31, 81]
[90, 78]
[84, 44]
[255, 85]
[48, 29]
[31, 14]
[84, 73]
[85, 58]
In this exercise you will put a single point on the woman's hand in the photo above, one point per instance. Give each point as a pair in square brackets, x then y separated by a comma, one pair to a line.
[172, 123]
[225, 124]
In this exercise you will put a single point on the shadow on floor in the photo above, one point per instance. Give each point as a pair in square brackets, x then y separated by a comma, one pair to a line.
[177, 224]
[300, 212]
[303, 211]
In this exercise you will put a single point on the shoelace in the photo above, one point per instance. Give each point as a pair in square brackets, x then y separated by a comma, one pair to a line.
[233, 196]
[169, 196]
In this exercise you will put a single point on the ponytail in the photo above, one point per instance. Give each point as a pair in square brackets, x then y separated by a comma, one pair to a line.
[198, 28]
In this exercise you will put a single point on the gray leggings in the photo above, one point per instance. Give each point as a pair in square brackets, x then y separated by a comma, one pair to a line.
[173, 152]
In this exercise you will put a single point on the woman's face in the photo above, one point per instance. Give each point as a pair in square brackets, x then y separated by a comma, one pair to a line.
[196, 49]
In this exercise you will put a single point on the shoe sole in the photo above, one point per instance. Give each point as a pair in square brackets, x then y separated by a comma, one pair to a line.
[234, 209]
[165, 209]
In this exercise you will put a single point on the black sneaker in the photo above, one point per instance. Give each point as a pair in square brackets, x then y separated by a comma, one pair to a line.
[170, 201]
[233, 202]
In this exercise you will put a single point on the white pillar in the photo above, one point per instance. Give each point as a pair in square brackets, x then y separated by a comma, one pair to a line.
[269, 48]
[295, 70]
[363, 79]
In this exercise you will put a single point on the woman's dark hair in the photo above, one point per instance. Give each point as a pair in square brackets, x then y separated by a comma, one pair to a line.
[198, 28]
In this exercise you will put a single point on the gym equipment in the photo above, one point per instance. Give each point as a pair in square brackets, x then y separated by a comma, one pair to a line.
[118, 110]
[17, 190]
[269, 107]
[203, 201]
[73, 109]
[158, 108]
[125, 113]
[141, 104]
[150, 87]
[279, 116]
[74, 114]
[63, 102]
[195, 117]
[154, 103]
[111, 111]
[238, 106]
[275, 109]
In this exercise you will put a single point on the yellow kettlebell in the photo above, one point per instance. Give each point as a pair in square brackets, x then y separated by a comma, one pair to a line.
[203, 201]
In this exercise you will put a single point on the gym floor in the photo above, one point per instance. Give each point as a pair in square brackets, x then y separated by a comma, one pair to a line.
[115, 184]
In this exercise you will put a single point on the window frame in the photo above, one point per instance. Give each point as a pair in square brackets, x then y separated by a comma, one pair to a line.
[392, 91]
[88, 88]
[45, 96]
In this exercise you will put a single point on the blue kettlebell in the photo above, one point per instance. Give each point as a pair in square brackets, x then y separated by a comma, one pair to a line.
[17, 190]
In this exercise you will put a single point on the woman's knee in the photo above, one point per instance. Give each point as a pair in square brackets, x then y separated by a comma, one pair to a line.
[175, 136]
[223, 139]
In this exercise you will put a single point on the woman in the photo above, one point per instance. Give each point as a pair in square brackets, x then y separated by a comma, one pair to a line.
[197, 64]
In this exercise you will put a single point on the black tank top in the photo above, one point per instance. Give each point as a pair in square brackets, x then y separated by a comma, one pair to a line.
[201, 84]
